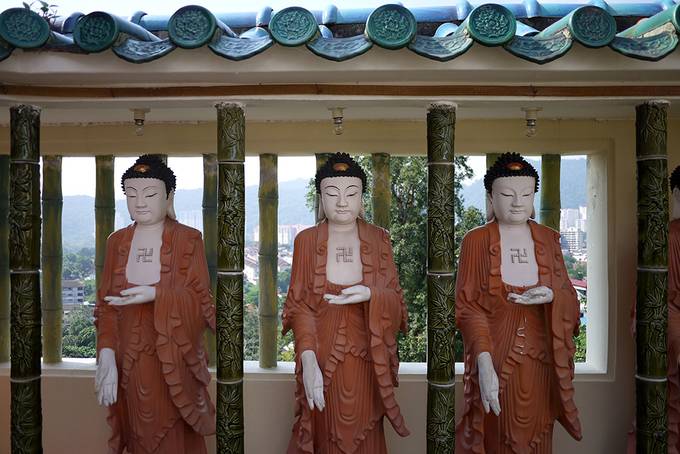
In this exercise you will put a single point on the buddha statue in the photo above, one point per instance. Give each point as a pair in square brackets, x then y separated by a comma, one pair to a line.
[345, 307]
[153, 306]
[518, 313]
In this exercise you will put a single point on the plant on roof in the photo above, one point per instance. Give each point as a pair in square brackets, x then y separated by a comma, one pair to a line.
[46, 11]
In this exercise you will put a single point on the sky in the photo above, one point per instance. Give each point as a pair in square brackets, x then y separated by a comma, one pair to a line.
[78, 174]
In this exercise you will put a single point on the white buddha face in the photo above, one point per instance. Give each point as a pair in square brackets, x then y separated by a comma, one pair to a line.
[147, 201]
[341, 199]
[512, 199]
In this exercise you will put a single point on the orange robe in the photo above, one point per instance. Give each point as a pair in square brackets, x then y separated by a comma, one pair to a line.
[355, 346]
[673, 337]
[531, 347]
[163, 404]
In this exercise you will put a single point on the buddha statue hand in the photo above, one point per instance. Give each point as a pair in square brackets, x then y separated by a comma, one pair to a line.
[106, 378]
[488, 383]
[350, 295]
[536, 295]
[312, 378]
[133, 295]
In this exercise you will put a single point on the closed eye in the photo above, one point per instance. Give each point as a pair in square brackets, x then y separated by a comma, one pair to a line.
[152, 195]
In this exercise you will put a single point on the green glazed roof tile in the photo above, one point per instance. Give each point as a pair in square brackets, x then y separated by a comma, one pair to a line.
[442, 48]
[593, 26]
[391, 26]
[293, 26]
[539, 49]
[339, 49]
[96, 32]
[240, 48]
[136, 51]
[23, 28]
[191, 27]
[491, 24]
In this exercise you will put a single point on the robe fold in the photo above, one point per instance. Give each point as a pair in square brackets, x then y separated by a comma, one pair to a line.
[355, 346]
[163, 404]
[532, 347]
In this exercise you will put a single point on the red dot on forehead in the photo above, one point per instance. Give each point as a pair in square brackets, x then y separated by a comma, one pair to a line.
[515, 166]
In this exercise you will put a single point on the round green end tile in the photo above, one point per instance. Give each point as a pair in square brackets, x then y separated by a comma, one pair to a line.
[95, 32]
[492, 25]
[593, 26]
[191, 27]
[391, 26]
[23, 28]
[293, 26]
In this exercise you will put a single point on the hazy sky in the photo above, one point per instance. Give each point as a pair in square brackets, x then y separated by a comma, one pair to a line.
[78, 174]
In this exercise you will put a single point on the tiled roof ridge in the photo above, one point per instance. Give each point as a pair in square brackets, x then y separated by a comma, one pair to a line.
[438, 33]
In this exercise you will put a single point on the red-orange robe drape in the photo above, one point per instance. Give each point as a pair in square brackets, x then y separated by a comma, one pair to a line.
[355, 346]
[163, 404]
[531, 346]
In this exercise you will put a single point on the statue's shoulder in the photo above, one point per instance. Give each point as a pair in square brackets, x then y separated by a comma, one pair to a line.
[544, 232]
[307, 235]
[187, 231]
[675, 226]
[118, 235]
[478, 234]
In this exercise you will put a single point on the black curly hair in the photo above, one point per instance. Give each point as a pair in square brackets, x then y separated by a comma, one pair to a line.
[150, 166]
[509, 165]
[675, 178]
[340, 165]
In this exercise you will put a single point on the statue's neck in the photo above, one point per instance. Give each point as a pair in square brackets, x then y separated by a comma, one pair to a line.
[342, 228]
[150, 227]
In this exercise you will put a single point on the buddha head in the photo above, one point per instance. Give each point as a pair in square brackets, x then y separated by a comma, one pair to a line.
[675, 192]
[511, 184]
[340, 184]
[149, 187]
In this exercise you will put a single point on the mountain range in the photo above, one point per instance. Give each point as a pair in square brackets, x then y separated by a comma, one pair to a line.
[78, 211]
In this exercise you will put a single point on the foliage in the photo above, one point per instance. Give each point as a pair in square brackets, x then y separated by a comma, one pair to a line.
[79, 265]
[251, 324]
[580, 342]
[576, 269]
[46, 11]
[79, 334]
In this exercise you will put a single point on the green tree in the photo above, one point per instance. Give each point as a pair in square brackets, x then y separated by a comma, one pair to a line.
[79, 334]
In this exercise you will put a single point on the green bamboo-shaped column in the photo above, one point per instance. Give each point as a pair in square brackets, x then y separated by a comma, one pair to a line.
[230, 242]
[268, 258]
[550, 191]
[210, 237]
[104, 210]
[4, 258]
[24, 253]
[441, 118]
[321, 159]
[381, 192]
[652, 277]
[52, 203]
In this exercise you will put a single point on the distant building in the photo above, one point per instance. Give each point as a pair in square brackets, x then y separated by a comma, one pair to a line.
[574, 239]
[72, 294]
[286, 233]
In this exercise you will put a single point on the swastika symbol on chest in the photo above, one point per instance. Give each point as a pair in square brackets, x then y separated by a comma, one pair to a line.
[519, 256]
